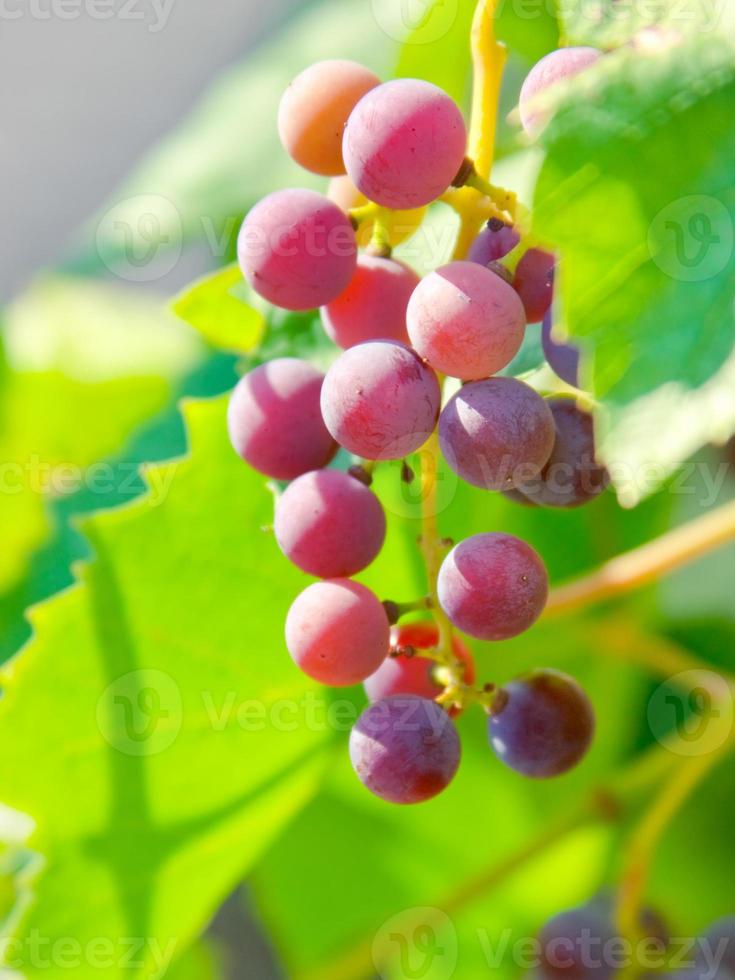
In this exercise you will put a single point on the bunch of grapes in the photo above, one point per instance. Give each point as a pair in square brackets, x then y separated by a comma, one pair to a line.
[391, 150]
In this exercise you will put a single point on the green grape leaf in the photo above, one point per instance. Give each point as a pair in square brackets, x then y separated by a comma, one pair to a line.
[157, 701]
[609, 23]
[218, 307]
[646, 247]
[87, 364]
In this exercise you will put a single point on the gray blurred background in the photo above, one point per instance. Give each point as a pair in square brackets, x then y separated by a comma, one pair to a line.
[82, 98]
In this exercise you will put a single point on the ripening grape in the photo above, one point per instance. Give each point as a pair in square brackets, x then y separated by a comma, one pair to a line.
[466, 321]
[572, 477]
[493, 586]
[399, 224]
[380, 401]
[563, 359]
[275, 422]
[545, 727]
[577, 945]
[534, 283]
[402, 674]
[405, 749]
[404, 143]
[495, 434]
[373, 307]
[337, 632]
[297, 249]
[554, 68]
[314, 111]
[329, 524]
[494, 242]
[721, 939]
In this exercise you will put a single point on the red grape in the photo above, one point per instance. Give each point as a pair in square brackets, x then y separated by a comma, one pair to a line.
[297, 249]
[534, 283]
[275, 422]
[329, 524]
[337, 632]
[493, 586]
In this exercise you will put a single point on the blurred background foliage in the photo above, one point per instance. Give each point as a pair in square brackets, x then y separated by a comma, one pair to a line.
[177, 576]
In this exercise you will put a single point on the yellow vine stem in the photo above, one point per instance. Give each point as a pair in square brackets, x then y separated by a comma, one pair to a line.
[647, 563]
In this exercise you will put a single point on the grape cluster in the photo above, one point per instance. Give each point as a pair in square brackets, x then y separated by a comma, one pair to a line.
[392, 149]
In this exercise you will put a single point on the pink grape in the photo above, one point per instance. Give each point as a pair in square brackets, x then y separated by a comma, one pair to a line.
[555, 67]
[405, 749]
[314, 111]
[275, 422]
[374, 304]
[493, 243]
[495, 434]
[403, 674]
[404, 143]
[337, 632]
[534, 283]
[380, 401]
[466, 321]
[329, 524]
[493, 586]
[297, 249]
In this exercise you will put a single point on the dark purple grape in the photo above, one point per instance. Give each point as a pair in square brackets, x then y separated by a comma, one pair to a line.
[563, 359]
[405, 749]
[572, 477]
[534, 283]
[493, 243]
[496, 434]
[580, 944]
[545, 727]
[493, 586]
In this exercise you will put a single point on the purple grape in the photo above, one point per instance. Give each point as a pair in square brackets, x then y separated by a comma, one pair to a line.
[337, 632]
[495, 434]
[373, 307]
[466, 321]
[563, 359]
[721, 939]
[534, 283]
[494, 242]
[297, 249]
[404, 143]
[493, 586]
[545, 727]
[380, 401]
[314, 111]
[554, 68]
[580, 944]
[329, 524]
[405, 749]
[572, 477]
[275, 422]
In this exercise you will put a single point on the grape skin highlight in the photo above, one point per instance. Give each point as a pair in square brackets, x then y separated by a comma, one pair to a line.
[275, 422]
[496, 434]
[329, 524]
[297, 249]
[555, 67]
[373, 306]
[493, 586]
[337, 632]
[314, 110]
[405, 749]
[404, 143]
[466, 321]
[546, 726]
[380, 401]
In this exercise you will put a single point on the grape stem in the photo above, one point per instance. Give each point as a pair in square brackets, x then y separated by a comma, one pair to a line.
[643, 565]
